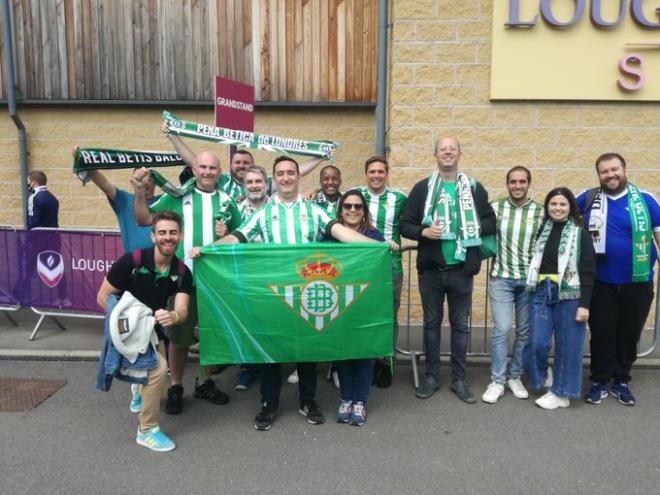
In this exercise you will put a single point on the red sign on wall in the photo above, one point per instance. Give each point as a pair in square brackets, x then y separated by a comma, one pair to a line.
[234, 105]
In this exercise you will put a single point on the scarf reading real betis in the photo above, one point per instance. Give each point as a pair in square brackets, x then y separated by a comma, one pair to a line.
[436, 209]
[88, 159]
[245, 139]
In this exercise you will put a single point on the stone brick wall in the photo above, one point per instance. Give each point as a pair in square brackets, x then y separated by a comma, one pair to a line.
[53, 131]
[439, 85]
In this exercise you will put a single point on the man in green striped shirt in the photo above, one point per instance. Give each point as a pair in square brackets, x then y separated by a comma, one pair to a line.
[289, 219]
[518, 218]
[207, 214]
[385, 207]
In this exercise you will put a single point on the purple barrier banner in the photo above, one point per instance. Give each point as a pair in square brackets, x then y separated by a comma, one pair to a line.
[55, 268]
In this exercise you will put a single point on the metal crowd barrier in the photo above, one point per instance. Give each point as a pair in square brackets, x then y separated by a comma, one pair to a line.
[415, 355]
[7, 309]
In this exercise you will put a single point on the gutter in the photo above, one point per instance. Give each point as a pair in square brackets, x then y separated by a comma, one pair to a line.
[381, 79]
[11, 102]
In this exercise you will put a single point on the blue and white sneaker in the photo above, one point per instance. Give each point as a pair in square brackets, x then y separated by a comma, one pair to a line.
[359, 414]
[155, 440]
[621, 391]
[345, 411]
[136, 401]
[597, 393]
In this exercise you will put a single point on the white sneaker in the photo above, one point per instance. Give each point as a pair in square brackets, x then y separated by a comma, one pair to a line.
[293, 377]
[493, 392]
[517, 388]
[548, 379]
[551, 401]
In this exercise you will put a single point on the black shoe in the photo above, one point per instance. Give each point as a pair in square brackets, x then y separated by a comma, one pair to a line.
[428, 388]
[461, 389]
[264, 420]
[174, 402]
[208, 391]
[312, 411]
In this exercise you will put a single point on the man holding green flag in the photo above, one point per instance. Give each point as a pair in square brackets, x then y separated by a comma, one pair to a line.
[289, 219]
[207, 215]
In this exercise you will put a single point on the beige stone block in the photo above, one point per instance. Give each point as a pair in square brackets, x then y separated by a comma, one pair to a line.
[494, 137]
[619, 138]
[482, 95]
[638, 159]
[492, 178]
[423, 158]
[575, 180]
[455, 95]
[411, 9]
[472, 74]
[434, 73]
[557, 115]
[453, 53]
[432, 116]
[484, 54]
[401, 116]
[515, 156]
[436, 31]
[399, 154]
[404, 31]
[84, 132]
[476, 158]
[473, 116]
[402, 74]
[579, 138]
[515, 115]
[412, 52]
[542, 182]
[451, 9]
[647, 138]
[599, 116]
[557, 158]
[474, 31]
[536, 136]
[412, 95]
[407, 136]
[639, 116]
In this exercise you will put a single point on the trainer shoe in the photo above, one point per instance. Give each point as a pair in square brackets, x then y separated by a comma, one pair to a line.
[155, 440]
[548, 379]
[428, 388]
[359, 415]
[208, 391]
[461, 389]
[551, 401]
[293, 377]
[136, 400]
[517, 388]
[493, 393]
[264, 419]
[621, 391]
[174, 402]
[597, 393]
[345, 411]
[312, 411]
[244, 379]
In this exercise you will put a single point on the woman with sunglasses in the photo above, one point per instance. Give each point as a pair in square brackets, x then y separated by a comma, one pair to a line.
[355, 374]
[561, 279]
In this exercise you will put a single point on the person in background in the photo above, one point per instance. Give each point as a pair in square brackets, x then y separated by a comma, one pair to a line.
[43, 206]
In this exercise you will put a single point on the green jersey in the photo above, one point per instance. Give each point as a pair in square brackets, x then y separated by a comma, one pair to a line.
[385, 210]
[516, 228]
[198, 211]
[330, 207]
[235, 189]
[298, 222]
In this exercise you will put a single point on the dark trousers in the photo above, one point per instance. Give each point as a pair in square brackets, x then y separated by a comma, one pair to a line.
[271, 382]
[434, 285]
[616, 320]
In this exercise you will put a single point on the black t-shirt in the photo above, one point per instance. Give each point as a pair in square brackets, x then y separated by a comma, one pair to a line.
[149, 287]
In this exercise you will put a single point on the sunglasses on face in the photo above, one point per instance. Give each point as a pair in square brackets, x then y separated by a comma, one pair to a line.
[352, 206]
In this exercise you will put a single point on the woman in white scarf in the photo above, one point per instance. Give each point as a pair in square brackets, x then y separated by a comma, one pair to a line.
[561, 279]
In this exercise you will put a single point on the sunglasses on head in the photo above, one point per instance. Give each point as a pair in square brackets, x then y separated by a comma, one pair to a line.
[352, 206]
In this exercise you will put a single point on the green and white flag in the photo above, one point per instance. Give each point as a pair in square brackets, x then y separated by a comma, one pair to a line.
[246, 139]
[294, 303]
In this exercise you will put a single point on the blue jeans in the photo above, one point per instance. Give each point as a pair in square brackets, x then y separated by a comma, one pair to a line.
[548, 312]
[434, 285]
[355, 377]
[504, 295]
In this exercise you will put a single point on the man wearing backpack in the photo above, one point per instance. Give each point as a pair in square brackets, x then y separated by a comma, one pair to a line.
[153, 275]
[448, 214]
[622, 220]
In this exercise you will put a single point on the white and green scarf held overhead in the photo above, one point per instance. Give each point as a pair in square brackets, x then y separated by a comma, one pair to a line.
[436, 209]
[568, 257]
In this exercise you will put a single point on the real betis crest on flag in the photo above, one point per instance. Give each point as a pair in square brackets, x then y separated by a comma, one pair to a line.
[289, 303]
